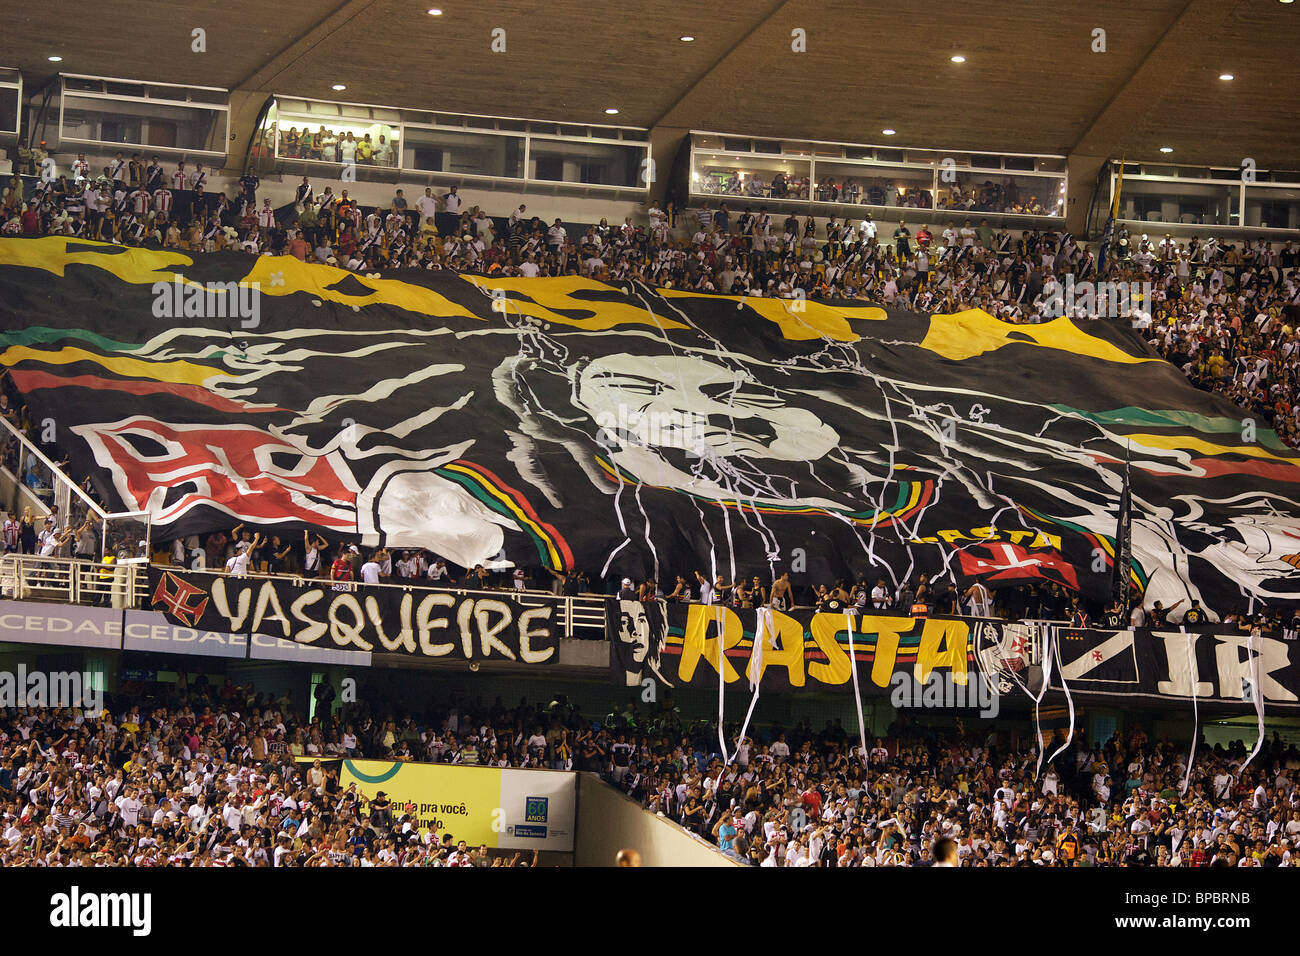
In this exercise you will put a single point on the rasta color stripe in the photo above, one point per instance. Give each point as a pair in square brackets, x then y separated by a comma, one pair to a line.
[501, 498]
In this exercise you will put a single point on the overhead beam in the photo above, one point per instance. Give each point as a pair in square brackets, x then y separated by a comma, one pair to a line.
[677, 99]
[1140, 93]
[265, 76]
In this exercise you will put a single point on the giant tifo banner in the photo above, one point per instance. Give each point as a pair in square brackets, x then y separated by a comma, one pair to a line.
[629, 430]
[512, 809]
[1177, 667]
[379, 620]
[676, 645]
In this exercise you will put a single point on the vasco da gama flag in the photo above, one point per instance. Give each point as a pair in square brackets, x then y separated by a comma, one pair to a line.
[635, 431]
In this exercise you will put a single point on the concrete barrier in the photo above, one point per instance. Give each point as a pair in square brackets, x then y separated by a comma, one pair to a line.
[609, 821]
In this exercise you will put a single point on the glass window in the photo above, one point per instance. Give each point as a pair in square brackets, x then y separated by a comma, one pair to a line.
[8, 110]
[598, 164]
[1002, 192]
[141, 123]
[463, 154]
[334, 140]
[766, 177]
[904, 186]
[1273, 208]
[1203, 204]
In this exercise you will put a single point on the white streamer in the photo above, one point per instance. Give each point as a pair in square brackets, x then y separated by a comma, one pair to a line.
[755, 668]
[722, 685]
[1257, 692]
[1069, 701]
[857, 694]
[1038, 699]
[1196, 714]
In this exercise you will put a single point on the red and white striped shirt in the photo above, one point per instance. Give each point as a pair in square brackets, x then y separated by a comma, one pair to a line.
[162, 200]
[141, 201]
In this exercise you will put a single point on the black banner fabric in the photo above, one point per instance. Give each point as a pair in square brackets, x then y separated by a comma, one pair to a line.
[628, 430]
[1172, 666]
[414, 622]
[678, 645]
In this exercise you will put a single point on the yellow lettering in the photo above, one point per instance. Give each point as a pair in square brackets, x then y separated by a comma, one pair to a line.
[943, 644]
[790, 653]
[887, 630]
[837, 668]
[697, 642]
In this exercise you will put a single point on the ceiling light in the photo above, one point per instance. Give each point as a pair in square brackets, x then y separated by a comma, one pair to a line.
[611, 111]
[55, 59]
[687, 39]
[1225, 76]
[959, 59]
[1166, 149]
[435, 12]
[888, 132]
[338, 86]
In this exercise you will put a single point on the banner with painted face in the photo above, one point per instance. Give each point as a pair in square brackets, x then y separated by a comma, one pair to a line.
[1166, 667]
[677, 645]
[413, 622]
[627, 430]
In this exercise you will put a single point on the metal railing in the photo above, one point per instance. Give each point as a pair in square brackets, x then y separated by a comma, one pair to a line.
[30, 577]
[35, 464]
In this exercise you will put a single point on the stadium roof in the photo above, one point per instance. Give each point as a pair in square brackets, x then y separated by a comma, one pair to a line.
[1031, 80]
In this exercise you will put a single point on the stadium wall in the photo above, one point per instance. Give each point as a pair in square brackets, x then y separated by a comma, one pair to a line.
[608, 822]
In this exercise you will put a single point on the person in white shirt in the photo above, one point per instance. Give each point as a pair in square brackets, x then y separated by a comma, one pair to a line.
[451, 202]
[128, 806]
[238, 565]
[426, 205]
[945, 852]
[371, 569]
[706, 588]
[348, 149]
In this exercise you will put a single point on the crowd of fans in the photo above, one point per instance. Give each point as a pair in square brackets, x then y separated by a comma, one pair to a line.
[993, 197]
[196, 775]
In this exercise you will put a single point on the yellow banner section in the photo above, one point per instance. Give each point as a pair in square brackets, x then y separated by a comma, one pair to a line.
[964, 335]
[462, 801]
